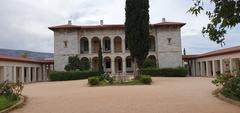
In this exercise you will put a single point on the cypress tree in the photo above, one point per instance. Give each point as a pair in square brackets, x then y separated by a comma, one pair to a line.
[100, 62]
[137, 29]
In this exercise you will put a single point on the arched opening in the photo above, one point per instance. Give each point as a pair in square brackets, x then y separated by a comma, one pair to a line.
[84, 45]
[106, 45]
[85, 63]
[95, 61]
[152, 57]
[96, 42]
[152, 43]
[117, 44]
[118, 65]
[129, 65]
[107, 64]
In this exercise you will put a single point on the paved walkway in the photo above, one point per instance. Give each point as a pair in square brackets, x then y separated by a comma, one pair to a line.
[166, 95]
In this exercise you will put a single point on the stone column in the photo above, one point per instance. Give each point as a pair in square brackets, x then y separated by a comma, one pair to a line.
[207, 69]
[5, 73]
[90, 46]
[113, 67]
[214, 68]
[14, 79]
[28, 75]
[124, 66]
[34, 79]
[201, 66]
[123, 45]
[231, 65]
[39, 74]
[22, 74]
[221, 66]
[44, 72]
[112, 45]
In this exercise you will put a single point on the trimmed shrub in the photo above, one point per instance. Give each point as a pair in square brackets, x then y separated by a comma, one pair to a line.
[149, 63]
[146, 79]
[72, 75]
[165, 72]
[93, 81]
[232, 88]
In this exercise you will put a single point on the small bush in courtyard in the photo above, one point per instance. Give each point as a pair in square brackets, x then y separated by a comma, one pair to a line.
[71, 75]
[93, 81]
[222, 79]
[11, 91]
[165, 72]
[145, 79]
[231, 88]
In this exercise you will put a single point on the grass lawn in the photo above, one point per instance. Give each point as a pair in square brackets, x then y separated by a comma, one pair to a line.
[5, 103]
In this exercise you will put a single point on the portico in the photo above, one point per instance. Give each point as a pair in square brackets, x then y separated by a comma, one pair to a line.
[14, 69]
[216, 62]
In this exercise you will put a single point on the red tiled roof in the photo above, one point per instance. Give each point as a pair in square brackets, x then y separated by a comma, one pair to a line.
[214, 53]
[24, 60]
[112, 26]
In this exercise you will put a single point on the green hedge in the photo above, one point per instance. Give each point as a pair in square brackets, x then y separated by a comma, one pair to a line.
[65, 76]
[165, 72]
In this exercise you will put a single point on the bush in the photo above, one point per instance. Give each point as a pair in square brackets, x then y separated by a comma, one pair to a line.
[222, 79]
[11, 91]
[149, 63]
[165, 72]
[72, 75]
[93, 81]
[232, 88]
[146, 79]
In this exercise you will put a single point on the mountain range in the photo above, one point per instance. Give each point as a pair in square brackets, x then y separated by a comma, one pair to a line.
[29, 54]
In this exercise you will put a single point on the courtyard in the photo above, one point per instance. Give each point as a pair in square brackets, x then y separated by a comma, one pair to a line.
[165, 95]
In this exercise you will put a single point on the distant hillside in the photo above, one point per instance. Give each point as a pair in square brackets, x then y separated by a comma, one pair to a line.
[30, 54]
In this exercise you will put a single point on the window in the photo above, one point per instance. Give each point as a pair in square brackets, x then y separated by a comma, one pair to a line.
[108, 64]
[85, 44]
[169, 41]
[129, 63]
[65, 44]
[107, 45]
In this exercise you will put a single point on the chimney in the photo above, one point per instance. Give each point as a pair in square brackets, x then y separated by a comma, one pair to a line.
[163, 19]
[101, 22]
[69, 22]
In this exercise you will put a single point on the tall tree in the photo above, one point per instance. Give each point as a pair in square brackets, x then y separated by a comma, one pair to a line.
[100, 62]
[226, 15]
[137, 29]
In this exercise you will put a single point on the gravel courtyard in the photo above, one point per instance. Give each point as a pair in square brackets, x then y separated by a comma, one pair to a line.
[166, 95]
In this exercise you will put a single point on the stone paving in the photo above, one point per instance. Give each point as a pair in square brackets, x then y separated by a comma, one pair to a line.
[165, 95]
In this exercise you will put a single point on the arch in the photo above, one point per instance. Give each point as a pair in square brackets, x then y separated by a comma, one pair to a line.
[85, 63]
[117, 44]
[152, 43]
[95, 61]
[107, 64]
[152, 57]
[84, 45]
[96, 42]
[118, 64]
[129, 64]
[106, 45]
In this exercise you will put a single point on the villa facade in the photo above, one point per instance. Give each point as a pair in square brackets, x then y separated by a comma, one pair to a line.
[84, 41]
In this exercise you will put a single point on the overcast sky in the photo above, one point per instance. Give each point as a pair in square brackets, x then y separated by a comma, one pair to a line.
[24, 23]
